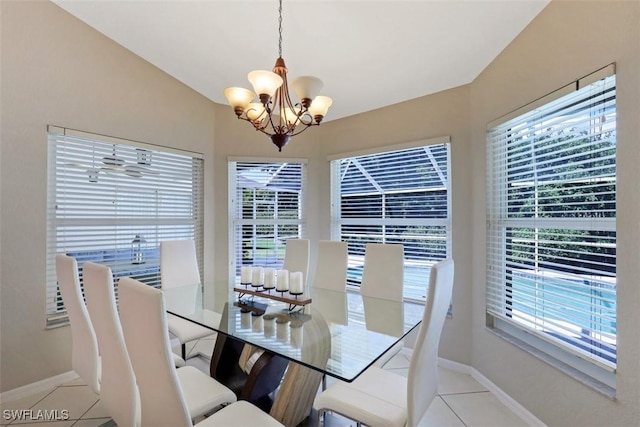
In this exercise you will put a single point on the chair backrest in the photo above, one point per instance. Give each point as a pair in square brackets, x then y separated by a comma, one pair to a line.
[179, 269]
[146, 334]
[296, 257]
[331, 265]
[383, 273]
[118, 392]
[85, 358]
[422, 384]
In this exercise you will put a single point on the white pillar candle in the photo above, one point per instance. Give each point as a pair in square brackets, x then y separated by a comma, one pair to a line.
[282, 283]
[269, 278]
[257, 278]
[245, 274]
[295, 283]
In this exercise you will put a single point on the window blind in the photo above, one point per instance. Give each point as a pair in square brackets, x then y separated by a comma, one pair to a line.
[397, 196]
[266, 208]
[551, 210]
[113, 201]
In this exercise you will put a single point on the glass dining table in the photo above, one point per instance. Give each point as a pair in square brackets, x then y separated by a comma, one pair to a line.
[339, 334]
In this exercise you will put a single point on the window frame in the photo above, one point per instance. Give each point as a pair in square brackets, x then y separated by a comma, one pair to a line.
[499, 220]
[416, 287]
[236, 221]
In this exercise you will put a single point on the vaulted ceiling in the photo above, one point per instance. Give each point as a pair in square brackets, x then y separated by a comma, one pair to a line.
[369, 54]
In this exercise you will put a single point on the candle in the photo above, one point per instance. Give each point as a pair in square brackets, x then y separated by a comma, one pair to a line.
[245, 274]
[282, 284]
[295, 283]
[257, 279]
[269, 278]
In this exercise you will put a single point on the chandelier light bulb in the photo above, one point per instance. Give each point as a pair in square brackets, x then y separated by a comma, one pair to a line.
[264, 82]
[255, 111]
[319, 107]
[290, 115]
[239, 98]
[306, 88]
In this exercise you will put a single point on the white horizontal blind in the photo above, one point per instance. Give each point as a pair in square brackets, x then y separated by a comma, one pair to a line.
[266, 208]
[400, 196]
[113, 203]
[551, 239]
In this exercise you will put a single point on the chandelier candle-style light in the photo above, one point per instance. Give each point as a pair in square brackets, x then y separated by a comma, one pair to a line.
[276, 115]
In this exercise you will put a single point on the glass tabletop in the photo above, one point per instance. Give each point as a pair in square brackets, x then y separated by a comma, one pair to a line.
[337, 333]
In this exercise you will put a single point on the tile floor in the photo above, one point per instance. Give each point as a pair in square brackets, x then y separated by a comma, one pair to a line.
[461, 402]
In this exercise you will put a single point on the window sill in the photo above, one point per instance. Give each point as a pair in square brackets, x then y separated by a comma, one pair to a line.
[604, 389]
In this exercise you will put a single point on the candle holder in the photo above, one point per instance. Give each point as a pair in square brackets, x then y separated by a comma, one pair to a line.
[295, 302]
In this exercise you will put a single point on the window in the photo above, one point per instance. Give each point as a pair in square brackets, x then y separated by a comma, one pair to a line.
[112, 201]
[266, 208]
[551, 239]
[401, 195]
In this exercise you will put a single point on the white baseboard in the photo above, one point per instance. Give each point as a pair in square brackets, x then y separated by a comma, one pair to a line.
[455, 366]
[503, 397]
[507, 400]
[37, 387]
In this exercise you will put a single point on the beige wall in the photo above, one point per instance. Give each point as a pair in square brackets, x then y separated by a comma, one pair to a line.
[56, 70]
[566, 41]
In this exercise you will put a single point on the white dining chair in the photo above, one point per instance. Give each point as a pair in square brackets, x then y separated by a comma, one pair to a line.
[179, 269]
[296, 257]
[383, 277]
[118, 393]
[203, 394]
[162, 394]
[85, 357]
[379, 397]
[331, 265]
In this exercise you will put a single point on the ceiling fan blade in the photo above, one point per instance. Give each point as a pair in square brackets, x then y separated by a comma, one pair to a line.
[137, 170]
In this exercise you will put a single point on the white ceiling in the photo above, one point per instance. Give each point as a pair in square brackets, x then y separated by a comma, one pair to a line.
[369, 54]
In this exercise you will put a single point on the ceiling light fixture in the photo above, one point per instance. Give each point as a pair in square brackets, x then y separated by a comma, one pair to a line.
[276, 115]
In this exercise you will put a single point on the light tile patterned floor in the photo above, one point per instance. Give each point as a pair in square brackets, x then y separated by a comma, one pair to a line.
[461, 401]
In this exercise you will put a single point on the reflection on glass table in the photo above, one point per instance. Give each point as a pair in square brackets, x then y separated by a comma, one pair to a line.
[339, 334]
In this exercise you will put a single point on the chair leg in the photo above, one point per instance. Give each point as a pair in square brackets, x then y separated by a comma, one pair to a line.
[184, 351]
[324, 382]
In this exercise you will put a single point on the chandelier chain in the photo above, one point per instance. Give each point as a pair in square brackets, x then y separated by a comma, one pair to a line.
[280, 30]
[276, 115]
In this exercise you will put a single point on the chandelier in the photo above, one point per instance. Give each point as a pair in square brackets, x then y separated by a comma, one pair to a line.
[275, 114]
